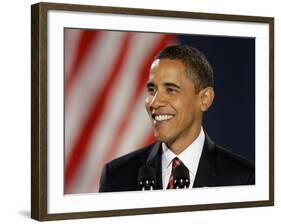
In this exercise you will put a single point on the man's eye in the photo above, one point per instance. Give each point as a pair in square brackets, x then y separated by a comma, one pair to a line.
[150, 90]
[171, 90]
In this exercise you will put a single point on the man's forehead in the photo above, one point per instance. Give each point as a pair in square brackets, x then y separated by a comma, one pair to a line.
[168, 64]
[166, 69]
[155, 63]
[161, 79]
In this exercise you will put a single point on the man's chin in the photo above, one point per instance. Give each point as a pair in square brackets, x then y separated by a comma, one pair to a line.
[162, 137]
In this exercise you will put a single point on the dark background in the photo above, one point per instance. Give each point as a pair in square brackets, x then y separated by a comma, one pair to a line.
[230, 122]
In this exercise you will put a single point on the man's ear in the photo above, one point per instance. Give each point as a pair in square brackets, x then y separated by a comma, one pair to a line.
[207, 96]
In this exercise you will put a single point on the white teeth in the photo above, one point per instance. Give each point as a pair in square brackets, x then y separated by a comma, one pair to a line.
[163, 117]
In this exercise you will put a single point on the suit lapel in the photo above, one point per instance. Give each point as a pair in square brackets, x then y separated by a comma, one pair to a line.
[154, 160]
[206, 168]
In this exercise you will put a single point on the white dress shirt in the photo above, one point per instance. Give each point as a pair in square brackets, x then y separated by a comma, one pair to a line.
[190, 158]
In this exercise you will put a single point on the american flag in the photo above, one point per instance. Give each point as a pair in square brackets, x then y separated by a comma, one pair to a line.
[105, 78]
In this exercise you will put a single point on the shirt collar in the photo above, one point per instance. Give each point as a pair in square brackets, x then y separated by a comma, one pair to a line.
[190, 156]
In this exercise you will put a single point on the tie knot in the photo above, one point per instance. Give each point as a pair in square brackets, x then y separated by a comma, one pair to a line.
[176, 162]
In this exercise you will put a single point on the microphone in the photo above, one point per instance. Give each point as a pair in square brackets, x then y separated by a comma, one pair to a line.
[146, 178]
[181, 177]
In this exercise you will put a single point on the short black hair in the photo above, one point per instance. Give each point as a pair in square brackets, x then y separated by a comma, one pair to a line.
[198, 68]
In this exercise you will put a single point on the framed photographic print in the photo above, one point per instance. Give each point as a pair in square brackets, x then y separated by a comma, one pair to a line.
[100, 93]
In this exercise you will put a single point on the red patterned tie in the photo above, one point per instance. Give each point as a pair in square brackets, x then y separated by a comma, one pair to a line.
[176, 163]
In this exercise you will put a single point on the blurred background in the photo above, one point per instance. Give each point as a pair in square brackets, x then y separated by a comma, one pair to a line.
[105, 78]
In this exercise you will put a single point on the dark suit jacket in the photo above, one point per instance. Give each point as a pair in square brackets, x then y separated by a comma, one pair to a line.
[217, 167]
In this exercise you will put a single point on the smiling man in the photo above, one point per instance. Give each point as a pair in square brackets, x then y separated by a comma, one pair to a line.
[180, 89]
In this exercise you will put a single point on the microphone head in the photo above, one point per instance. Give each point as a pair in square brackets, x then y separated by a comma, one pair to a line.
[181, 177]
[146, 177]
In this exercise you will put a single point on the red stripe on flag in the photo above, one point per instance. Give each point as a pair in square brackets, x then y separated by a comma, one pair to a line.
[96, 110]
[86, 41]
[124, 122]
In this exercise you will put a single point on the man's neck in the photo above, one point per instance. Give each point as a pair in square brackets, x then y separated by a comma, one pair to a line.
[180, 145]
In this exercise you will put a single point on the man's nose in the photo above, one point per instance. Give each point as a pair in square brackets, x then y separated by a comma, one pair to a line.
[157, 101]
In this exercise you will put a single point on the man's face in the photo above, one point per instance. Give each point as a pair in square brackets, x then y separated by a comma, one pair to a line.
[172, 103]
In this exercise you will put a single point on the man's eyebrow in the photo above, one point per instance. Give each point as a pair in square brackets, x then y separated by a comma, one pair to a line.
[150, 84]
[167, 84]
[171, 84]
